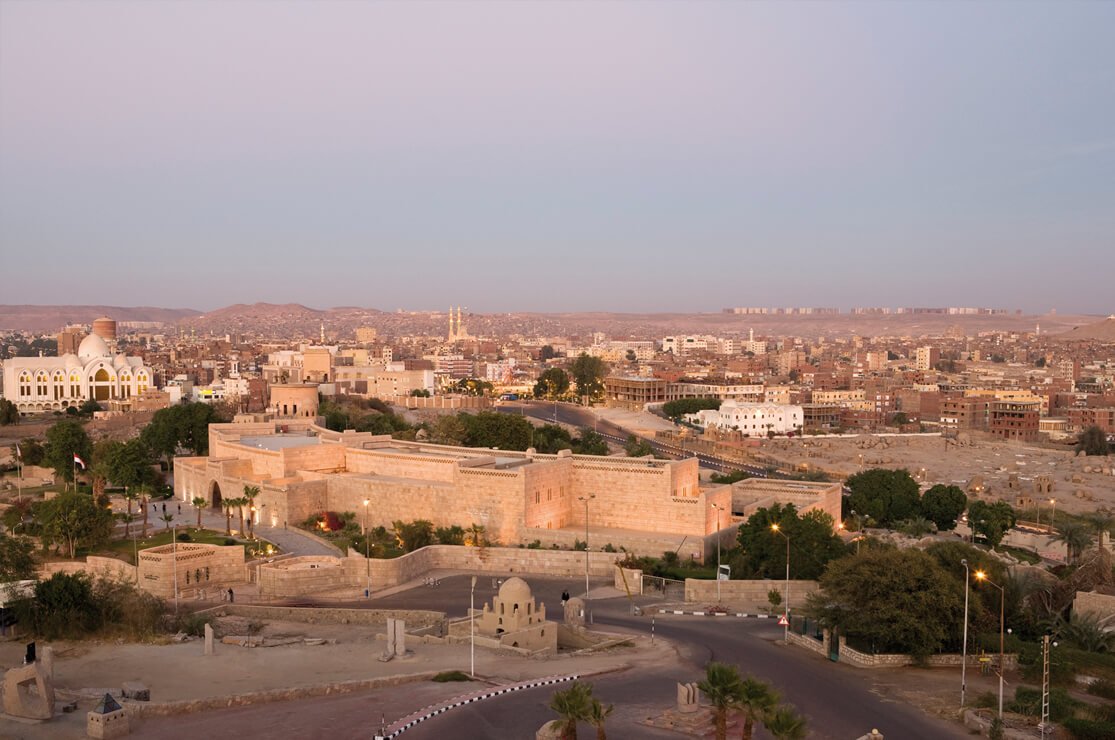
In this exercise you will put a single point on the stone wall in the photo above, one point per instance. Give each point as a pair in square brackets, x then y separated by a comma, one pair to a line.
[751, 593]
[863, 660]
[629, 580]
[294, 577]
[189, 568]
[95, 566]
[414, 618]
[1097, 604]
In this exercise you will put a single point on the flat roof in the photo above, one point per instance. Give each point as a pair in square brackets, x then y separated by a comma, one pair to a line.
[279, 441]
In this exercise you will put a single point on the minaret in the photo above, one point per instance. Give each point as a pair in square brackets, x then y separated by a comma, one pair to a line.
[751, 335]
[451, 337]
[323, 332]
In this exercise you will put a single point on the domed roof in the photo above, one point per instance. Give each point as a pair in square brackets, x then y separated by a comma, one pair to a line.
[72, 363]
[120, 361]
[92, 348]
[515, 591]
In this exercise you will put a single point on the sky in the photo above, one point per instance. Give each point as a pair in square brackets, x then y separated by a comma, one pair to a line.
[572, 156]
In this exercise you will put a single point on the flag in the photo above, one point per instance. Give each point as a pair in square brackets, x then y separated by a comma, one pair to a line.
[79, 461]
[18, 452]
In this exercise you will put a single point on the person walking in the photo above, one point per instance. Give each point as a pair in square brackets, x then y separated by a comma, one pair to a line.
[231, 596]
[564, 597]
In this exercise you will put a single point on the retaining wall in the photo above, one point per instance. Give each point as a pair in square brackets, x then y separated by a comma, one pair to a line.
[753, 593]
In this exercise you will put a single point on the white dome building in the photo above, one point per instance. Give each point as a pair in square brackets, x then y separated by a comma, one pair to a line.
[40, 384]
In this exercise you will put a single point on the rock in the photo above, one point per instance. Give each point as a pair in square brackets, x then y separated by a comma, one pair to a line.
[135, 690]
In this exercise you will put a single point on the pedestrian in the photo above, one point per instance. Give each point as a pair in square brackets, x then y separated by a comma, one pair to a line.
[164, 507]
[564, 597]
[179, 509]
[231, 596]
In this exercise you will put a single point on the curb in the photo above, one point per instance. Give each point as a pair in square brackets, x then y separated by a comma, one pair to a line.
[400, 726]
[737, 615]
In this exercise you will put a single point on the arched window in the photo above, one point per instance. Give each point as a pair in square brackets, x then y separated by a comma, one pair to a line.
[25, 383]
[58, 384]
[75, 385]
[41, 382]
[143, 381]
[125, 384]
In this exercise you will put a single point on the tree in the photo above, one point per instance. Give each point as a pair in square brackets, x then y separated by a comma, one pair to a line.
[250, 493]
[588, 373]
[784, 723]
[814, 543]
[1088, 632]
[449, 430]
[1076, 536]
[943, 505]
[74, 519]
[900, 601]
[756, 699]
[682, 406]
[899, 419]
[546, 353]
[64, 440]
[9, 413]
[590, 443]
[636, 447]
[226, 504]
[31, 451]
[144, 491]
[1093, 441]
[414, 535]
[199, 503]
[185, 425]
[550, 439]
[598, 714]
[130, 497]
[552, 383]
[167, 519]
[16, 560]
[238, 503]
[722, 687]
[504, 431]
[631, 356]
[454, 535]
[991, 521]
[63, 605]
[572, 706]
[887, 496]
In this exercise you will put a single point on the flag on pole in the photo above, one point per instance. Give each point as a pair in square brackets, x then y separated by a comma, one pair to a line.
[79, 461]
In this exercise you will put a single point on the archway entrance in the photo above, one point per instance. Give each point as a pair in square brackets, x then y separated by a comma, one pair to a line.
[215, 496]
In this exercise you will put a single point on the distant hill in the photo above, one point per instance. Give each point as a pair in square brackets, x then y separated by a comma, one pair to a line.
[1101, 331]
[53, 318]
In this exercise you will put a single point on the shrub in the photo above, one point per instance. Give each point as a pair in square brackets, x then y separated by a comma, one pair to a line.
[1089, 729]
[1103, 688]
[610, 548]
[579, 546]
[184, 537]
[1027, 700]
[190, 624]
[536, 545]
[447, 676]
[229, 541]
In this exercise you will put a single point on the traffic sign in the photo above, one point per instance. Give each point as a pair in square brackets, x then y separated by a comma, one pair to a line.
[783, 622]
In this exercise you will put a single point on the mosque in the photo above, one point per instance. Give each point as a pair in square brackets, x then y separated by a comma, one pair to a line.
[40, 384]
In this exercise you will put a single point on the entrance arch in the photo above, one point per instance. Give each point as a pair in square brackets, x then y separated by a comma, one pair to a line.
[215, 496]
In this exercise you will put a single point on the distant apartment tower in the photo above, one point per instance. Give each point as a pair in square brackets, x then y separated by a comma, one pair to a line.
[69, 339]
[366, 334]
[926, 358]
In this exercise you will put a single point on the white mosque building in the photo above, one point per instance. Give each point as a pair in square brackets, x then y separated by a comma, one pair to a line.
[38, 384]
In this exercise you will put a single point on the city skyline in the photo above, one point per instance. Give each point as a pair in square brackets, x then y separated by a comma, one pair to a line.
[554, 158]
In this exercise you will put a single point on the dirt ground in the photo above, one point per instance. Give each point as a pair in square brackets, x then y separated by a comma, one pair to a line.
[1080, 484]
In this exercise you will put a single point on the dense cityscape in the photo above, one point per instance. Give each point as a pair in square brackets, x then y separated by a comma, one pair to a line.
[548, 370]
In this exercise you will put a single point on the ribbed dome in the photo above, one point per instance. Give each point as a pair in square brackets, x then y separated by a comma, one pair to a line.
[92, 348]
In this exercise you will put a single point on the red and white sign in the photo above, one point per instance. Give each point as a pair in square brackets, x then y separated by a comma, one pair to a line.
[783, 622]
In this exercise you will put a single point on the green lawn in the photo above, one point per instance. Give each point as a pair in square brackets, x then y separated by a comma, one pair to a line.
[124, 549]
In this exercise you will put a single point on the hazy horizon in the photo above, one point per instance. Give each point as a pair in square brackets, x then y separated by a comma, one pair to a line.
[558, 157]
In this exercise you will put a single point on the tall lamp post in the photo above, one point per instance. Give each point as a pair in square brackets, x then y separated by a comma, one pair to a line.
[586, 499]
[367, 553]
[718, 510]
[964, 649]
[472, 628]
[786, 596]
[981, 576]
[1052, 514]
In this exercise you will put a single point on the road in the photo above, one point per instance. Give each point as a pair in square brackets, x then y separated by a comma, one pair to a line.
[579, 416]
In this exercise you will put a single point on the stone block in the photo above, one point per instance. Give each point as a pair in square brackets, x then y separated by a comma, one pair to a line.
[136, 691]
[208, 639]
[689, 698]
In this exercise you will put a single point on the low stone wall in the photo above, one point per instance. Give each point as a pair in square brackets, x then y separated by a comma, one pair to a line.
[95, 566]
[284, 580]
[751, 593]
[639, 544]
[863, 660]
[168, 708]
[821, 648]
[414, 618]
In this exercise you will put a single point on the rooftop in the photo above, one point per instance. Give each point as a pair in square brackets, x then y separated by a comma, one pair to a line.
[279, 441]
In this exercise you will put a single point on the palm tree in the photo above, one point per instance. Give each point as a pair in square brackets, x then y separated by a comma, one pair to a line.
[239, 503]
[250, 493]
[572, 705]
[722, 686]
[199, 503]
[597, 714]
[1076, 537]
[144, 497]
[1101, 520]
[1089, 633]
[757, 700]
[226, 504]
[784, 723]
[168, 518]
[130, 496]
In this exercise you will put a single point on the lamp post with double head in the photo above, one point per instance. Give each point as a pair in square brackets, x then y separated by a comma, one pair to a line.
[786, 596]
[981, 576]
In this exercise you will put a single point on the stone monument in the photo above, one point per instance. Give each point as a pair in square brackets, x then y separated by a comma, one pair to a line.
[29, 692]
[575, 612]
[689, 698]
[208, 639]
[107, 720]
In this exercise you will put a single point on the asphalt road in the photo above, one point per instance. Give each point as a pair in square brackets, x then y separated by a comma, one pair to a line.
[837, 700]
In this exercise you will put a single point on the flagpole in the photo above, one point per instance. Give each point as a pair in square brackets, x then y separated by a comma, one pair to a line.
[19, 480]
[75, 472]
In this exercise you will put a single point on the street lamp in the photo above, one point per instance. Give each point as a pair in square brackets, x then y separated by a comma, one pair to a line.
[981, 576]
[964, 650]
[1052, 514]
[472, 628]
[586, 499]
[786, 596]
[718, 510]
[367, 553]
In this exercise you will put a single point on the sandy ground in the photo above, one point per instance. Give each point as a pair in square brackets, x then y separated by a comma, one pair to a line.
[1074, 489]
